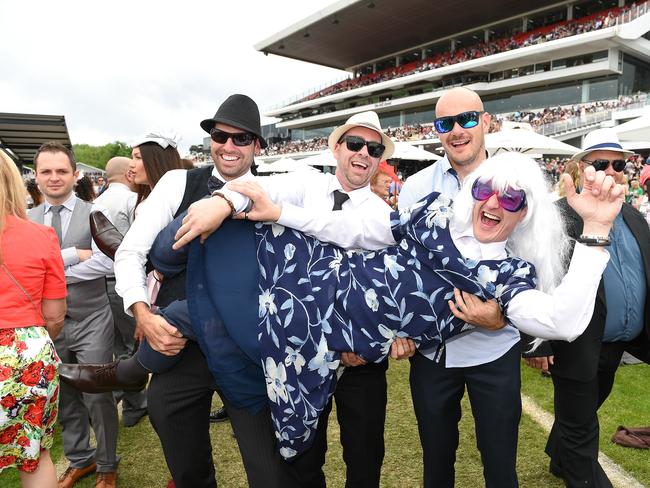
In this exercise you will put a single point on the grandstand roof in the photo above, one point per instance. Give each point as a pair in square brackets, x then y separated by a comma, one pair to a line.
[352, 32]
[23, 134]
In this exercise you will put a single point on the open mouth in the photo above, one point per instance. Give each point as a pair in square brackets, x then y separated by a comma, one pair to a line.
[229, 157]
[359, 165]
[460, 143]
[489, 219]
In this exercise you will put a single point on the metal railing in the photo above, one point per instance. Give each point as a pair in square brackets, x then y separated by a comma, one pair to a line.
[588, 119]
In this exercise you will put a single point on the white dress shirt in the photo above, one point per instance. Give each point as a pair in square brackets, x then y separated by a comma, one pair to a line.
[307, 200]
[312, 191]
[97, 266]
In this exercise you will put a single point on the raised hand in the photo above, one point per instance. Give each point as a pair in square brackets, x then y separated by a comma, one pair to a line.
[599, 202]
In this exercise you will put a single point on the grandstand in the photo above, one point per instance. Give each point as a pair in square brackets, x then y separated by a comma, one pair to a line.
[563, 66]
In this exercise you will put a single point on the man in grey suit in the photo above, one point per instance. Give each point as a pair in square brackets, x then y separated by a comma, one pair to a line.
[87, 335]
[119, 199]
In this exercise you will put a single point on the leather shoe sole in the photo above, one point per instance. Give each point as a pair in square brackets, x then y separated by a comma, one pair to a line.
[219, 415]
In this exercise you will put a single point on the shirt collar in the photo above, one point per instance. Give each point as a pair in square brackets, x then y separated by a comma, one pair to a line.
[69, 203]
[246, 176]
[465, 236]
[357, 196]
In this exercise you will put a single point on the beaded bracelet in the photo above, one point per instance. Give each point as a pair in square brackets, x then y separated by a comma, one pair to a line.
[227, 200]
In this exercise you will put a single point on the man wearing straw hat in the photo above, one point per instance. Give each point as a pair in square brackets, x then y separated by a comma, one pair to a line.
[583, 371]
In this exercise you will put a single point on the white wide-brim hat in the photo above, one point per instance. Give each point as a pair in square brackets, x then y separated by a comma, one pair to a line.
[369, 120]
[601, 140]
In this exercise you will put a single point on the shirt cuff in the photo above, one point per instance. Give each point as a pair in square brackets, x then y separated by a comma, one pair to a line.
[70, 256]
[239, 201]
[134, 295]
[588, 262]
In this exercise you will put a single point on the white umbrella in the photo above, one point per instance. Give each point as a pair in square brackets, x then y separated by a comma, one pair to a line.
[635, 130]
[526, 142]
[404, 150]
[284, 165]
[324, 158]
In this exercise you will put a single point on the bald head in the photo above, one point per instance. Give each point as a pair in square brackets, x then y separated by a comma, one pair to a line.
[458, 100]
[116, 169]
[464, 146]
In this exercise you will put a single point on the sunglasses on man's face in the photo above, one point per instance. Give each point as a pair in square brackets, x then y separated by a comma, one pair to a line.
[238, 138]
[511, 200]
[618, 165]
[356, 143]
[467, 120]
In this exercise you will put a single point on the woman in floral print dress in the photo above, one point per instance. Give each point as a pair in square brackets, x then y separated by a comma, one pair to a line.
[32, 308]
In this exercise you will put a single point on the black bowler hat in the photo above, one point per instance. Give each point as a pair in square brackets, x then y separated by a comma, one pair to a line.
[237, 111]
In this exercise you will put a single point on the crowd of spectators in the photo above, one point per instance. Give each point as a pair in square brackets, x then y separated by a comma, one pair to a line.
[416, 132]
[551, 115]
[548, 33]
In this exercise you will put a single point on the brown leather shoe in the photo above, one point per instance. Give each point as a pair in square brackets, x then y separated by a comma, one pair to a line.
[72, 475]
[97, 378]
[105, 235]
[106, 480]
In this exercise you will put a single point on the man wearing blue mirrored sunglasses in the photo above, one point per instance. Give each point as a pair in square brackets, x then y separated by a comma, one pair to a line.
[486, 362]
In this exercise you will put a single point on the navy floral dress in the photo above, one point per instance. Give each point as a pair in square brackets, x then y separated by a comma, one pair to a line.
[317, 300]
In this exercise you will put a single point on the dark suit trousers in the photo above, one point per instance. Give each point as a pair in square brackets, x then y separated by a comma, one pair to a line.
[573, 442]
[494, 394]
[179, 408]
[360, 395]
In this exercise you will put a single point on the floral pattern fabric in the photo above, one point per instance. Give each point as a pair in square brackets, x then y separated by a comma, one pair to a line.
[317, 300]
[29, 390]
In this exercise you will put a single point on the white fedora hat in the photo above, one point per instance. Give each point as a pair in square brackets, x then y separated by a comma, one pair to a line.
[369, 120]
[601, 140]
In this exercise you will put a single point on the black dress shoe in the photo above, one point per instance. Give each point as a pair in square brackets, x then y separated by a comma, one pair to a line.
[219, 415]
[105, 235]
[97, 378]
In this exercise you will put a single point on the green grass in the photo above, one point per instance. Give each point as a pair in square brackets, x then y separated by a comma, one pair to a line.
[628, 404]
[143, 465]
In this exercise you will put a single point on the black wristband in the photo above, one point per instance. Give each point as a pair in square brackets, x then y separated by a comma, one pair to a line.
[594, 240]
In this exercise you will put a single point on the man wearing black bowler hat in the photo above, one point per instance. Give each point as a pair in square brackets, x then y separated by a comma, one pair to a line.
[361, 392]
[358, 146]
[180, 400]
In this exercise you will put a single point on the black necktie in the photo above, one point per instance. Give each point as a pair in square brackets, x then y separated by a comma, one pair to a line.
[56, 221]
[214, 184]
[339, 199]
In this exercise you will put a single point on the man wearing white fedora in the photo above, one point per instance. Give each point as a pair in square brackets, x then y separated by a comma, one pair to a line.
[583, 371]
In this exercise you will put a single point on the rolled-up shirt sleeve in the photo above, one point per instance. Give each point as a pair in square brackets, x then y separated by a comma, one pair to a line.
[70, 256]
